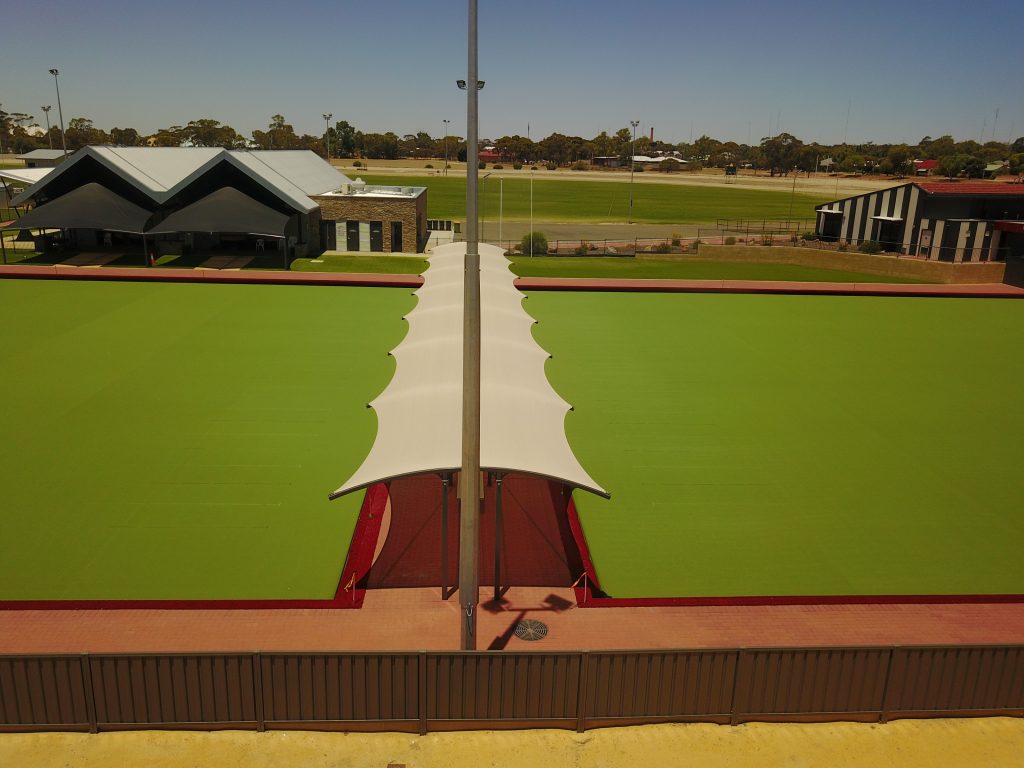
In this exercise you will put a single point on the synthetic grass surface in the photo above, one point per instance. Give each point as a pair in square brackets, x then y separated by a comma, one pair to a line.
[629, 269]
[569, 199]
[794, 445]
[172, 441]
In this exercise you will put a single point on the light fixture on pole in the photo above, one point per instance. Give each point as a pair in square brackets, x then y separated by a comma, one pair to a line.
[469, 477]
[46, 111]
[632, 168]
[60, 112]
[446, 146]
[327, 133]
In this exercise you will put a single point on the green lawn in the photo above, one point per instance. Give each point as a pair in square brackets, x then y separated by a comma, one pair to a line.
[794, 445]
[629, 268]
[568, 200]
[179, 441]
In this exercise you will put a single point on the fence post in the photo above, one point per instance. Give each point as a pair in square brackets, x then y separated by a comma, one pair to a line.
[634, 246]
[883, 716]
[581, 692]
[740, 653]
[90, 693]
[423, 692]
[257, 688]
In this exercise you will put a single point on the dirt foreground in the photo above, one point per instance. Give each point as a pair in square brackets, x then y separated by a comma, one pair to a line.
[900, 744]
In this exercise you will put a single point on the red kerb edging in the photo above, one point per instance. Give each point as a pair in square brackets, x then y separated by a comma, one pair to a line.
[347, 595]
[181, 275]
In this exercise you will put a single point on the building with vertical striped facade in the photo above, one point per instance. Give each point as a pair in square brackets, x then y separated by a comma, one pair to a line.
[941, 221]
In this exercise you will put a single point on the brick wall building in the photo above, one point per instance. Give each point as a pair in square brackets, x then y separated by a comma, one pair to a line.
[361, 217]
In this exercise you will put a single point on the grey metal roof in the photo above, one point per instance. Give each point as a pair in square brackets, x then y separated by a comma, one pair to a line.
[42, 154]
[160, 172]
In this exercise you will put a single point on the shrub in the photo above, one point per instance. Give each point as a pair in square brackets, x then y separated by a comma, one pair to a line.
[581, 165]
[695, 245]
[498, 167]
[534, 243]
[637, 168]
[843, 245]
[533, 167]
[766, 240]
[662, 248]
[730, 241]
[357, 163]
[809, 235]
[517, 166]
[481, 165]
[794, 238]
[676, 239]
[669, 166]
[870, 246]
[580, 250]
[551, 165]
[428, 165]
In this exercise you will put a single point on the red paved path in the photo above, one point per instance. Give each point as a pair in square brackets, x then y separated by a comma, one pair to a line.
[414, 619]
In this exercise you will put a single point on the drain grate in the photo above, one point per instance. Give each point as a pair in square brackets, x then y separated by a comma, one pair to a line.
[531, 629]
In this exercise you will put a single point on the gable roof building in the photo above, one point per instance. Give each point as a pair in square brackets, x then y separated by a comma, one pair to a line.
[266, 185]
[942, 220]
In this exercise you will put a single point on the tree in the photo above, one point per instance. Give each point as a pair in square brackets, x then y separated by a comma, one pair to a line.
[81, 132]
[898, 158]
[669, 166]
[952, 165]
[781, 152]
[167, 137]
[534, 244]
[210, 133]
[343, 139]
[279, 135]
[126, 137]
[1018, 145]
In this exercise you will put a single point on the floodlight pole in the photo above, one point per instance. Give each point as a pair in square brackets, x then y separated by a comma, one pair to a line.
[46, 111]
[469, 478]
[327, 133]
[63, 138]
[632, 164]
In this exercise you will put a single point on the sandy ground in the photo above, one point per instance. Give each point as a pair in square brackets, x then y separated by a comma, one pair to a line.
[901, 744]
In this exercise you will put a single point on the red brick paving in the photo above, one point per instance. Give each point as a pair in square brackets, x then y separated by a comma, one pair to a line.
[417, 619]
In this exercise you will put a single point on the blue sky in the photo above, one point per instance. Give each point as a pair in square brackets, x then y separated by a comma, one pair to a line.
[733, 70]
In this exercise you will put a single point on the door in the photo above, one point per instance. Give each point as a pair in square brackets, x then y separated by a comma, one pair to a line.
[925, 246]
[352, 236]
[396, 236]
[377, 236]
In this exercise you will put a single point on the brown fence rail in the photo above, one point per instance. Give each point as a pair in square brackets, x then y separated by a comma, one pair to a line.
[433, 691]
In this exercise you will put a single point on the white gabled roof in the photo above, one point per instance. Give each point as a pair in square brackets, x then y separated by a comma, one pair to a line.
[419, 414]
[41, 154]
[300, 167]
[161, 172]
[25, 175]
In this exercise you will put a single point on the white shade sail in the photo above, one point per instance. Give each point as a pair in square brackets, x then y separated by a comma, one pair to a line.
[419, 414]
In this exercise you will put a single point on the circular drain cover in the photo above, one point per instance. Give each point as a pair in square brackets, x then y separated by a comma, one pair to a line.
[531, 629]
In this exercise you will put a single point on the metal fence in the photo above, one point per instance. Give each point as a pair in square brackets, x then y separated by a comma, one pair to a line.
[433, 691]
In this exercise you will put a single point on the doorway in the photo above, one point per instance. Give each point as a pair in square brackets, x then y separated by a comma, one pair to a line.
[396, 236]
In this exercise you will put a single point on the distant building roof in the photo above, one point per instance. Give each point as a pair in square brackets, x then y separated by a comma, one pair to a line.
[42, 154]
[926, 165]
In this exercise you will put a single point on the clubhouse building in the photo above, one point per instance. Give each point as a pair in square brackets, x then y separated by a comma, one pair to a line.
[195, 199]
[942, 221]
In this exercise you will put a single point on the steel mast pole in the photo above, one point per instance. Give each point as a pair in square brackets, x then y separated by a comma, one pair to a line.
[469, 480]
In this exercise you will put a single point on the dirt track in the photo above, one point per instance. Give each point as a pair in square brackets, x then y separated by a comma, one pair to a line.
[901, 744]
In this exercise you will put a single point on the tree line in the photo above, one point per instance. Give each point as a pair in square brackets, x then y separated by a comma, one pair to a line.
[778, 154]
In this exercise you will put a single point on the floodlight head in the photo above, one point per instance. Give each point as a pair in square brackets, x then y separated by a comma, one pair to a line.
[461, 84]
[45, 109]
[479, 85]
[54, 72]
[328, 115]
